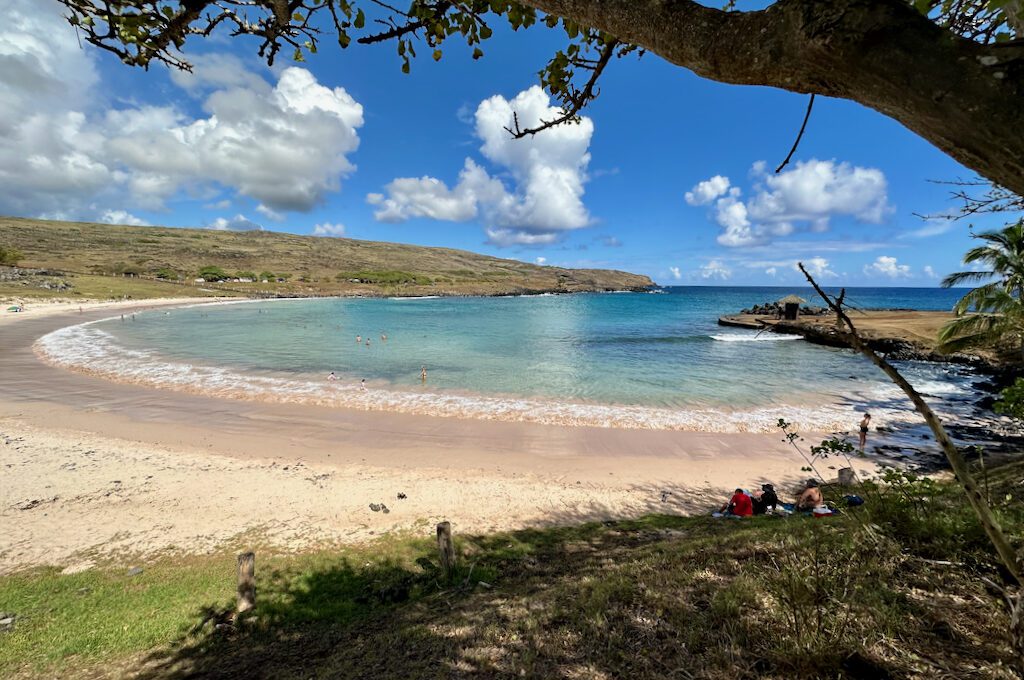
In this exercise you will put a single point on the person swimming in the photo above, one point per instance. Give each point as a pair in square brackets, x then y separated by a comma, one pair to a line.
[423, 373]
[359, 339]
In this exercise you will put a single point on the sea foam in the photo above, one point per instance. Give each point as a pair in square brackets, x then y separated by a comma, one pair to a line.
[87, 349]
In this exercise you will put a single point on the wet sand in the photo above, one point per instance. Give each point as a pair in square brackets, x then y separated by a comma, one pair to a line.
[192, 472]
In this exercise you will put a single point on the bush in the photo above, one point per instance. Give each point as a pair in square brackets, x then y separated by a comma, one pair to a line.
[10, 256]
[246, 275]
[384, 277]
[212, 273]
[166, 273]
[269, 276]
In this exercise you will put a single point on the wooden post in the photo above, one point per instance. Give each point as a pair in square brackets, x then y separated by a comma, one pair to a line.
[846, 477]
[446, 548]
[246, 582]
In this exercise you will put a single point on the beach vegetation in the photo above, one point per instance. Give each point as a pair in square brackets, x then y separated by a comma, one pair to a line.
[213, 273]
[10, 257]
[391, 277]
[246, 275]
[892, 588]
[167, 273]
[992, 314]
[266, 276]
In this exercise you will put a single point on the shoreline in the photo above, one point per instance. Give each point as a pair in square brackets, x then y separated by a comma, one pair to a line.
[177, 460]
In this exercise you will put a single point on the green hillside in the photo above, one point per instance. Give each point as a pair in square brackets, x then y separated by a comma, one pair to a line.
[78, 259]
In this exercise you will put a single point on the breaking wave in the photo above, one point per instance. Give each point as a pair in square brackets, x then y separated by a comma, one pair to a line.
[86, 349]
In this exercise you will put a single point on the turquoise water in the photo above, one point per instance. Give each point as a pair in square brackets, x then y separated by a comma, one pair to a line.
[655, 350]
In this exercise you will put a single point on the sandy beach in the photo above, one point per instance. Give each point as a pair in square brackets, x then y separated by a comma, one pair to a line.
[95, 470]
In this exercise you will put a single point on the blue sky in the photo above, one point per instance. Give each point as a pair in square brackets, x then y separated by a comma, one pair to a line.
[344, 143]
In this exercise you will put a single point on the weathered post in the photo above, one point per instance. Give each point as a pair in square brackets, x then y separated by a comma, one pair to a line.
[846, 477]
[446, 548]
[246, 582]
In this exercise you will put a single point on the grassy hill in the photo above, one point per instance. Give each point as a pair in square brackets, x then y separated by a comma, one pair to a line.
[103, 261]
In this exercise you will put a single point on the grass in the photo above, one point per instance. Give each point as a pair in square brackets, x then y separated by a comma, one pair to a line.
[858, 596]
[96, 255]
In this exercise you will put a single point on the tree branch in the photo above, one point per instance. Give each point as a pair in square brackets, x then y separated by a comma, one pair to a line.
[1007, 555]
[799, 136]
[964, 97]
[577, 100]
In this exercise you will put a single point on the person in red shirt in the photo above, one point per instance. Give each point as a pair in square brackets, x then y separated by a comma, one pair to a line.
[739, 505]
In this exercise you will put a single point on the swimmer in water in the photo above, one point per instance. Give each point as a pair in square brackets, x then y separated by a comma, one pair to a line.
[367, 342]
[359, 339]
[383, 337]
[423, 373]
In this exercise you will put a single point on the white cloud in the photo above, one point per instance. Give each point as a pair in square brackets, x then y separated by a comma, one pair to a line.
[548, 171]
[933, 227]
[328, 229]
[236, 223]
[269, 213]
[804, 198]
[771, 271]
[715, 269]
[676, 274]
[708, 190]
[929, 272]
[541, 260]
[817, 267]
[885, 265]
[122, 217]
[64, 148]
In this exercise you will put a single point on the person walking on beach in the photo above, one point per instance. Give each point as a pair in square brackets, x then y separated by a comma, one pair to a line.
[864, 424]
[362, 384]
[423, 374]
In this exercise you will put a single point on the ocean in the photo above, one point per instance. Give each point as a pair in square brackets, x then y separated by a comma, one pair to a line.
[651, 360]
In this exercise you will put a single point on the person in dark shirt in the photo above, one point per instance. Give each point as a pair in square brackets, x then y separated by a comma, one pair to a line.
[767, 500]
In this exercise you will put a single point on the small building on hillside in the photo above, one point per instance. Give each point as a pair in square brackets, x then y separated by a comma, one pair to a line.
[791, 306]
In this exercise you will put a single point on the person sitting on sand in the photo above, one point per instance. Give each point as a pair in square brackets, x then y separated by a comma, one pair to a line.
[810, 498]
[739, 505]
[766, 500]
[864, 424]
[331, 377]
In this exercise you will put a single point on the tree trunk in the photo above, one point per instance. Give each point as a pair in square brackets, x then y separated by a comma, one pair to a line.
[965, 98]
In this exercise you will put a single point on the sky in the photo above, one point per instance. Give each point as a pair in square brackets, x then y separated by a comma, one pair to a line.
[667, 174]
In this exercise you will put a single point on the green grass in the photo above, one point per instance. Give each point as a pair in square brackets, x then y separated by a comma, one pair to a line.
[859, 595]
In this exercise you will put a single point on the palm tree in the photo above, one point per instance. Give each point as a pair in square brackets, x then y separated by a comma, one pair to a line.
[994, 312]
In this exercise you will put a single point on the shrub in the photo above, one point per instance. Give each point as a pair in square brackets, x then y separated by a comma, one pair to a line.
[10, 256]
[213, 273]
[166, 273]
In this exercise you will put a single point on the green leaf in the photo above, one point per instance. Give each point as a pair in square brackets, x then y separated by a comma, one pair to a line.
[344, 39]
[360, 19]
[437, 55]
[477, 53]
